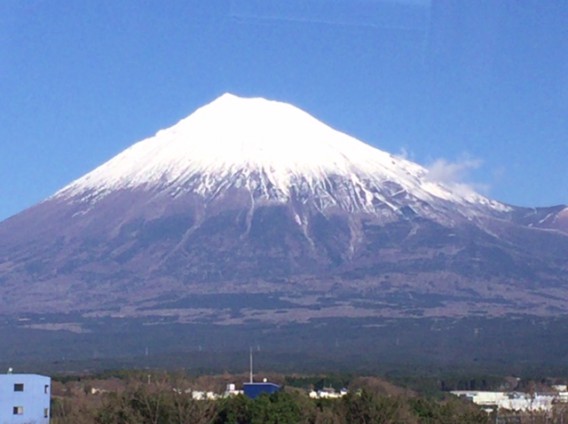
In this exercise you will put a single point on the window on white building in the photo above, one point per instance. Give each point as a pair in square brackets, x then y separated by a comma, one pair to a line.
[45, 412]
[19, 387]
[18, 410]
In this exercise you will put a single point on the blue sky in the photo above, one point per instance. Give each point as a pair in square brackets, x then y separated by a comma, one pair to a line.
[477, 90]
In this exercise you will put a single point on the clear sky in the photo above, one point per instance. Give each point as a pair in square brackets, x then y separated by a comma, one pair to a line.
[477, 90]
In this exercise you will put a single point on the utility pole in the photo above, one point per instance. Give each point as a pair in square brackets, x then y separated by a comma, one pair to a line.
[250, 364]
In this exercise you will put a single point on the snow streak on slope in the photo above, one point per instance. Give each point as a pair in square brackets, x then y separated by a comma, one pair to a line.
[274, 150]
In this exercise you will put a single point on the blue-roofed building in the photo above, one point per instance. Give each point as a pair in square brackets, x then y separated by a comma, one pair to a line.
[254, 390]
[24, 399]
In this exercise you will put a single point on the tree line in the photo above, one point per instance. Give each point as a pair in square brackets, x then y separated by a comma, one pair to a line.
[161, 398]
[168, 401]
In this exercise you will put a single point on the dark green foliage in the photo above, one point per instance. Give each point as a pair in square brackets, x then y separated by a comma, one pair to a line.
[234, 410]
[368, 408]
[144, 405]
[448, 412]
[278, 408]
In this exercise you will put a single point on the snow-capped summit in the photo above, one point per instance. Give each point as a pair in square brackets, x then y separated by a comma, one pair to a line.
[275, 151]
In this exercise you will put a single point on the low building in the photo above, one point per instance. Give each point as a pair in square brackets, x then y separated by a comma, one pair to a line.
[562, 397]
[231, 390]
[254, 390]
[512, 401]
[201, 395]
[24, 399]
[328, 393]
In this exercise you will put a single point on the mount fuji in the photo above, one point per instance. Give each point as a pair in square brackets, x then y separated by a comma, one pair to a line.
[251, 197]
[277, 153]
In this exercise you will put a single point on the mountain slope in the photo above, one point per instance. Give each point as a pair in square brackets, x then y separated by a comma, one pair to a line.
[256, 196]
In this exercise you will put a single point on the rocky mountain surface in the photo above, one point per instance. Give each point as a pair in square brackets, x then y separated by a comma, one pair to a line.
[251, 209]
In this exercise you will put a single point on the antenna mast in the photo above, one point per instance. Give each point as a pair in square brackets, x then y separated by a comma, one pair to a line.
[250, 352]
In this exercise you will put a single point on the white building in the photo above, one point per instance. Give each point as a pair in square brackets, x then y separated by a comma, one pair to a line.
[328, 393]
[231, 390]
[24, 399]
[201, 395]
[512, 401]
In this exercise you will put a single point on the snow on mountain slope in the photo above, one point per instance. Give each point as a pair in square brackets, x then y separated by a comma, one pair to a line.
[274, 150]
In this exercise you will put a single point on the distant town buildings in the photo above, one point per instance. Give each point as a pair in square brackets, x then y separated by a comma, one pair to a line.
[252, 390]
[202, 395]
[328, 393]
[24, 398]
[515, 401]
